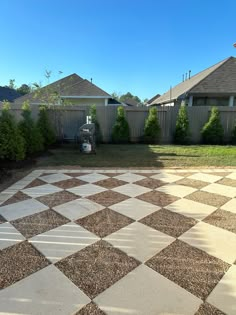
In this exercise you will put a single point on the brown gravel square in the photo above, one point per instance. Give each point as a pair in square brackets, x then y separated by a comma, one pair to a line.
[76, 174]
[108, 198]
[97, 267]
[111, 174]
[208, 198]
[150, 183]
[227, 182]
[69, 183]
[158, 198]
[222, 219]
[38, 223]
[2, 220]
[185, 174]
[19, 196]
[191, 183]
[104, 222]
[146, 174]
[90, 309]
[57, 199]
[36, 182]
[168, 222]
[110, 183]
[208, 309]
[218, 173]
[18, 262]
[189, 267]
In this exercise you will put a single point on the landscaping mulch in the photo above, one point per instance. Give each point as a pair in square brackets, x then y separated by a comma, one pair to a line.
[104, 222]
[158, 198]
[223, 219]
[69, 183]
[173, 224]
[19, 261]
[36, 182]
[97, 267]
[150, 183]
[192, 183]
[108, 198]
[227, 181]
[110, 183]
[56, 199]
[208, 198]
[208, 309]
[19, 196]
[189, 267]
[90, 309]
[38, 223]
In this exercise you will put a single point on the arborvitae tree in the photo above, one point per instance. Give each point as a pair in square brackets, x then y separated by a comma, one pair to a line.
[12, 145]
[30, 131]
[93, 114]
[120, 131]
[45, 127]
[233, 138]
[182, 132]
[152, 129]
[213, 132]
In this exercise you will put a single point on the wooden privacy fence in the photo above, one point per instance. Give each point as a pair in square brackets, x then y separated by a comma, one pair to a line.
[67, 120]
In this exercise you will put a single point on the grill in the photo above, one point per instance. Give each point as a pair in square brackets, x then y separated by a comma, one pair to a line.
[87, 138]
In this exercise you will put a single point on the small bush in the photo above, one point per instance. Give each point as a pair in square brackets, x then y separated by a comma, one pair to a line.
[93, 114]
[152, 129]
[12, 145]
[120, 131]
[182, 132]
[45, 127]
[30, 132]
[213, 132]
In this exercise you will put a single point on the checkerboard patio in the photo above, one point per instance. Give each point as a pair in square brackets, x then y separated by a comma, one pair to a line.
[119, 242]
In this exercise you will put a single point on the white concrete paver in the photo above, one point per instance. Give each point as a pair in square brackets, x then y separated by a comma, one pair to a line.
[230, 206]
[63, 241]
[220, 190]
[42, 190]
[168, 178]
[46, 292]
[134, 208]
[176, 190]
[53, 178]
[144, 291]
[130, 177]
[93, 177]
[78, 208]
[131, 190]
[86, 190]
[205, 177]
[9, 236]
[191, 208]
[139, 241]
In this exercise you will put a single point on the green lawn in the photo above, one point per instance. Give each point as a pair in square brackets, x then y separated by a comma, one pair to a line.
[140, 155]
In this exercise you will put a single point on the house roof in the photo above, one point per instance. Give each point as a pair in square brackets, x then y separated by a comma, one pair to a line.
[72, 85]
[130, 102]
[8, 94]
[219, 78]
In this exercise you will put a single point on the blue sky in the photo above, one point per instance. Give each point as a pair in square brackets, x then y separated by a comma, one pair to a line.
[141, 46]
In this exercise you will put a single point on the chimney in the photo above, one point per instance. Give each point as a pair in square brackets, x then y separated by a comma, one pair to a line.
[91, 80]
[189, 74]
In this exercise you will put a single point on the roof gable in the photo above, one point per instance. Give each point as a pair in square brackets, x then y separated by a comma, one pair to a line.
[84, 88]
[8, 94]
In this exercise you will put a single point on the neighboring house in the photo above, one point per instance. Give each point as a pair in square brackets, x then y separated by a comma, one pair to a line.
[8, 94]
[214, 86]
[130, 102]
[72, 90]
[152, 99]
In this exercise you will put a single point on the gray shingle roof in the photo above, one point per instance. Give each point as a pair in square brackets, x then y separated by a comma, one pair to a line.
[72, 85]
[7, 94]
[220, 78]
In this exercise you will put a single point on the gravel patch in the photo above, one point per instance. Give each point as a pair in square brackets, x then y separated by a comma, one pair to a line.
[168, 222]
[36, 182]
[104, 222]
[38, 223]
[90, 309]
[208, 198]
[18, 262]
[158, 198]
[19, 196]
[110, 183]
[189, 267]
[70, 183]
[76, 174]
[97, 267]
[219, 173]
[108, 198]
[222, 219]
[227, 182]
[2, 220]
[57, 199]
[146, 174]
[150, 183]
[208, 309]
[111, 174]
[192, 183]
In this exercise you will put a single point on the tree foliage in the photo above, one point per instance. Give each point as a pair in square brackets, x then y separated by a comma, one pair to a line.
[45, 127]
[30, 131]
[213, 132]
[120, 131]
[12, 146]
[152, 129]
[182, 131]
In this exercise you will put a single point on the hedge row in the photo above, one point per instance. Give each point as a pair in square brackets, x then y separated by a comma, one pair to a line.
[26, 138]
